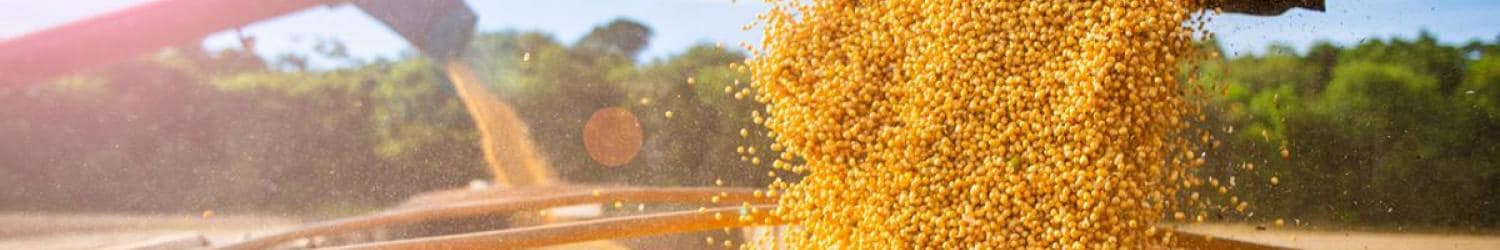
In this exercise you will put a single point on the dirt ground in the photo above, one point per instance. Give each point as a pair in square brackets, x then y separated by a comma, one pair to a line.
[1320, 239]
[102, 231]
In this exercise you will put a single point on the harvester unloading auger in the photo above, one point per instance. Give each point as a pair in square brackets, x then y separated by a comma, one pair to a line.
[441, 30]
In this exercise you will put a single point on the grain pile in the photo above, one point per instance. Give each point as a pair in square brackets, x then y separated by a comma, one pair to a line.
[1006, 124]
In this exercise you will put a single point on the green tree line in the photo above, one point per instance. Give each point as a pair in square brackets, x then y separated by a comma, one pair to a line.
[1396, 131]
[187, 130]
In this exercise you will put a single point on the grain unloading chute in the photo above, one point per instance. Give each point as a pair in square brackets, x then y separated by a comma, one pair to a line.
[440, 29]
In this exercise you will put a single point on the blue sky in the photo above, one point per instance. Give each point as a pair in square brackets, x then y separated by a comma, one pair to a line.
[681, 23]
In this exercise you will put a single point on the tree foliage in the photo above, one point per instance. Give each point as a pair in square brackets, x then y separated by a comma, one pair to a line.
[187, 130]
[1386, 131]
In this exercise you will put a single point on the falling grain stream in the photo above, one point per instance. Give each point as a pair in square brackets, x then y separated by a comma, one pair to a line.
[508, 150]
